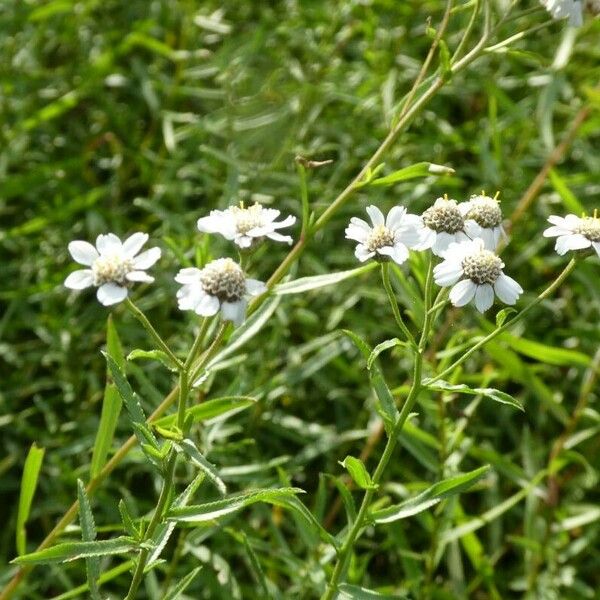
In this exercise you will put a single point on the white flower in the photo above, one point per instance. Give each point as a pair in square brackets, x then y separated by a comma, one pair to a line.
[220, 285]
[444, 224]
[483, 219]
[574, 233]
[390, 237]
[114, 265]
[475, 272]
[562, 9]
[246, 226]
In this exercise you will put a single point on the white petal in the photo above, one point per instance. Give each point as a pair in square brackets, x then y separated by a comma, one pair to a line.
[108, 242]
[287, 222]
[188, 275]
[484, 297]
[596, 246]
[83, 252]
[395, 216]
[189, 296]
[111, 293]
[277, 237]
[244, 241]
[427, 239]
[215, 222]
[572, 221]
[133, 244]
[398, 252]
[362, 253]
[361, 224]
[356, 232]
[141, 276]
[146, 259]
[79, 280]
[442, 242]
[207, 305]
[574, 241]
[556, 220]
[507, 289]
[234, 311]
[375, 215]
[462, 293]
[448, 272]
[555, 231]
[255, 287]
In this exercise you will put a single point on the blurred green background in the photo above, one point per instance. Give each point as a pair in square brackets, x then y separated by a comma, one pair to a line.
[143, 116]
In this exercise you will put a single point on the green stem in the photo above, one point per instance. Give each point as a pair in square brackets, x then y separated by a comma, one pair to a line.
[160, 343]
[385, 276]
[547, 292]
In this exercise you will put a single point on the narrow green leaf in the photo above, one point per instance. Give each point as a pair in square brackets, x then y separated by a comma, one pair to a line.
[382, 348]
[305, 284]
[88, 534]
[445, 60]
[422, 169]
[429, 497]
[188, 447]
[31, 471]
[502, 315]
[347, 499]
[113, 343]
[127, 520]
[111, 409]
[355, 592]
[255, 565]
[75, 550]
[491, 393]
[358, 472]
[549, 355]
[157, 355]
[228, 405]
[176, 591]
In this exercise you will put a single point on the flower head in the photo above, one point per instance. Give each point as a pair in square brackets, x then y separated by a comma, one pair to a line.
[246, 226]
[574, 233]
[563, 9]
[483, 219]
[475, 273]
[114, 265]
[220, 285]
[444, 224]
[389, 237]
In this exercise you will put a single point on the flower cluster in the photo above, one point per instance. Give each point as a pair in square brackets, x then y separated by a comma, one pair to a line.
[221, 285]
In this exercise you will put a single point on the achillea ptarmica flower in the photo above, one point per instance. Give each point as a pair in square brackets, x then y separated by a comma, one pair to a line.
[475, 273]
[563, 9]
[444, 224]
[574, 233]
[220, 285]
[389, 237]
[114, 265]
[483, 219]
[246, 226]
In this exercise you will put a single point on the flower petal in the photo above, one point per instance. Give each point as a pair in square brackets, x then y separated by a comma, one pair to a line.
[361, 224]
[357, 233]
[398, 252]
[255, 287]
[484, 297]
[108, 242]
[395, 216]
[507, 289]
[146, 259]
[83, 252]
[111, 293]
[448, 272]
[596, 246]
[140, 276]
[79, 280]
[462, 293]
[188, 275]
[287, 222]
[207, 305]
[375, 215]
[362, 253]
[277, 237]
[133, 244]
[234, 311]
[574, 241]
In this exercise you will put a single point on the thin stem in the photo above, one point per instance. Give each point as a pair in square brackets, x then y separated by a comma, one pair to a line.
[385, 276]
[467, 32]
[160, 343]
[427, 304]
[197, 345]
[304, 198]
[547, 292]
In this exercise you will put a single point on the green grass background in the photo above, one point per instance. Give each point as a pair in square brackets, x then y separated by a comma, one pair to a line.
[138, 115]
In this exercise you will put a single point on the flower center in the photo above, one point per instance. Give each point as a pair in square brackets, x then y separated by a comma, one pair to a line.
[485, 212]
[224, 279]
[590, 228]
[247, 219]
[444, 216]
[482, 267]
[379, 237]
[111, 268]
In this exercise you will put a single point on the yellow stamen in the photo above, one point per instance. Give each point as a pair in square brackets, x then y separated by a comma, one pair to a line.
[497, 195]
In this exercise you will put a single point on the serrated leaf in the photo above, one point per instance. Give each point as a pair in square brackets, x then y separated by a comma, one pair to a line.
[462, 388]
[127, 520]
[88, 534]
[111, 409]
[176, 591]
[31, 471]
[188, 447]
[305, 284]
[429, 497]
[358, 472]
[75, 550]
[157, 355]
